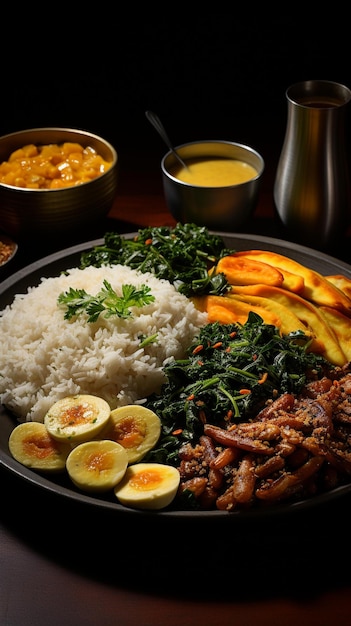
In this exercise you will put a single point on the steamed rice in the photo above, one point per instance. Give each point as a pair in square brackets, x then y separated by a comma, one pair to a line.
[44, 357]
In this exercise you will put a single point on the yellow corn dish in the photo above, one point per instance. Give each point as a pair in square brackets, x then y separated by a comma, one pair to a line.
[52, 166]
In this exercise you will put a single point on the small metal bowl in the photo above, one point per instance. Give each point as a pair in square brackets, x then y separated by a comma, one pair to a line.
[34, 213]
[218, 208]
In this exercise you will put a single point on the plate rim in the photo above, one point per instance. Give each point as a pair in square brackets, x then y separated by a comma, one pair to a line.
[43, 481]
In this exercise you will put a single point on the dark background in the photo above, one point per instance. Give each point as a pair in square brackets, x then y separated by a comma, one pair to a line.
[215, 73]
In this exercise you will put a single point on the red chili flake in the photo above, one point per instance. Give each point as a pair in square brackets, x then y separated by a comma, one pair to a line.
[244, 392]
[200, 362]
[263, 378]
[228, 349]
[191, 397]
[177, 432]
[198, 349]
[254, 357]
[148, 242]
[233, 334]
[229, 415]
[218, 344]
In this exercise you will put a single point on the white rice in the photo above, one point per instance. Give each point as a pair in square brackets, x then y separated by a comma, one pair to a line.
[44, 357]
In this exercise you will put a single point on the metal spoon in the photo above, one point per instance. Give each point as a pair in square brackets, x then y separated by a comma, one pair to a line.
[156, 122]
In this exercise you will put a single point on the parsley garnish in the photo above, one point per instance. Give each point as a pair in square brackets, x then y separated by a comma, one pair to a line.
[106, 302]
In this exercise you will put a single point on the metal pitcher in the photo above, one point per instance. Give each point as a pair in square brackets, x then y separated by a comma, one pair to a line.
[312, 192]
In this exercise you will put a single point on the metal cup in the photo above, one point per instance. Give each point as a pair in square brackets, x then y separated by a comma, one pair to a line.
[312, 185]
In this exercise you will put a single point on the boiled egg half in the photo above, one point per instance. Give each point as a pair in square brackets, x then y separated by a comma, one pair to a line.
[148, 486]
[77, 418]
[32, 445]
[134, 427]
[97, 465]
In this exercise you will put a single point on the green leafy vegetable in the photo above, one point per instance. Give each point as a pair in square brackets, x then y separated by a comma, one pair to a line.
[106, 301]
[230, 372]
[182, 255]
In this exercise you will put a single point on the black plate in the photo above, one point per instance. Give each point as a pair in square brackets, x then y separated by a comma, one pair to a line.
[52, 266]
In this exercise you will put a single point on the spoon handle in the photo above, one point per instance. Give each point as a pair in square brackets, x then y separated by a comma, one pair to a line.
[157, 124]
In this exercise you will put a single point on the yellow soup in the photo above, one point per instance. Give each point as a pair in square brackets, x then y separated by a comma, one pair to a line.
[214, 172]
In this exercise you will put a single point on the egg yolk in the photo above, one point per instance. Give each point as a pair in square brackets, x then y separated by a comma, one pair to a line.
[99, 462]
[129, 433]
[145, 480]
[40, 447]
[76, 415]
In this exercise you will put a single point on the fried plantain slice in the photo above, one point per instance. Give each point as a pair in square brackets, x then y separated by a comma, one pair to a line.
[235, 309]
[317, 288]
[243, 271]
[307, 312]
[229, 311]
[341, 282]
[341, 325]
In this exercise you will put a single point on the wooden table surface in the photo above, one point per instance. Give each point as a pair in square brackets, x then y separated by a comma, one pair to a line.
[64, 562]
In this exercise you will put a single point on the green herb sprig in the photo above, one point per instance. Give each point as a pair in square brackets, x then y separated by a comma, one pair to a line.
[106, 302]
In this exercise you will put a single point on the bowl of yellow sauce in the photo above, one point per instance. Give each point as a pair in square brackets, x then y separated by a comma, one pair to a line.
[218, 187]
